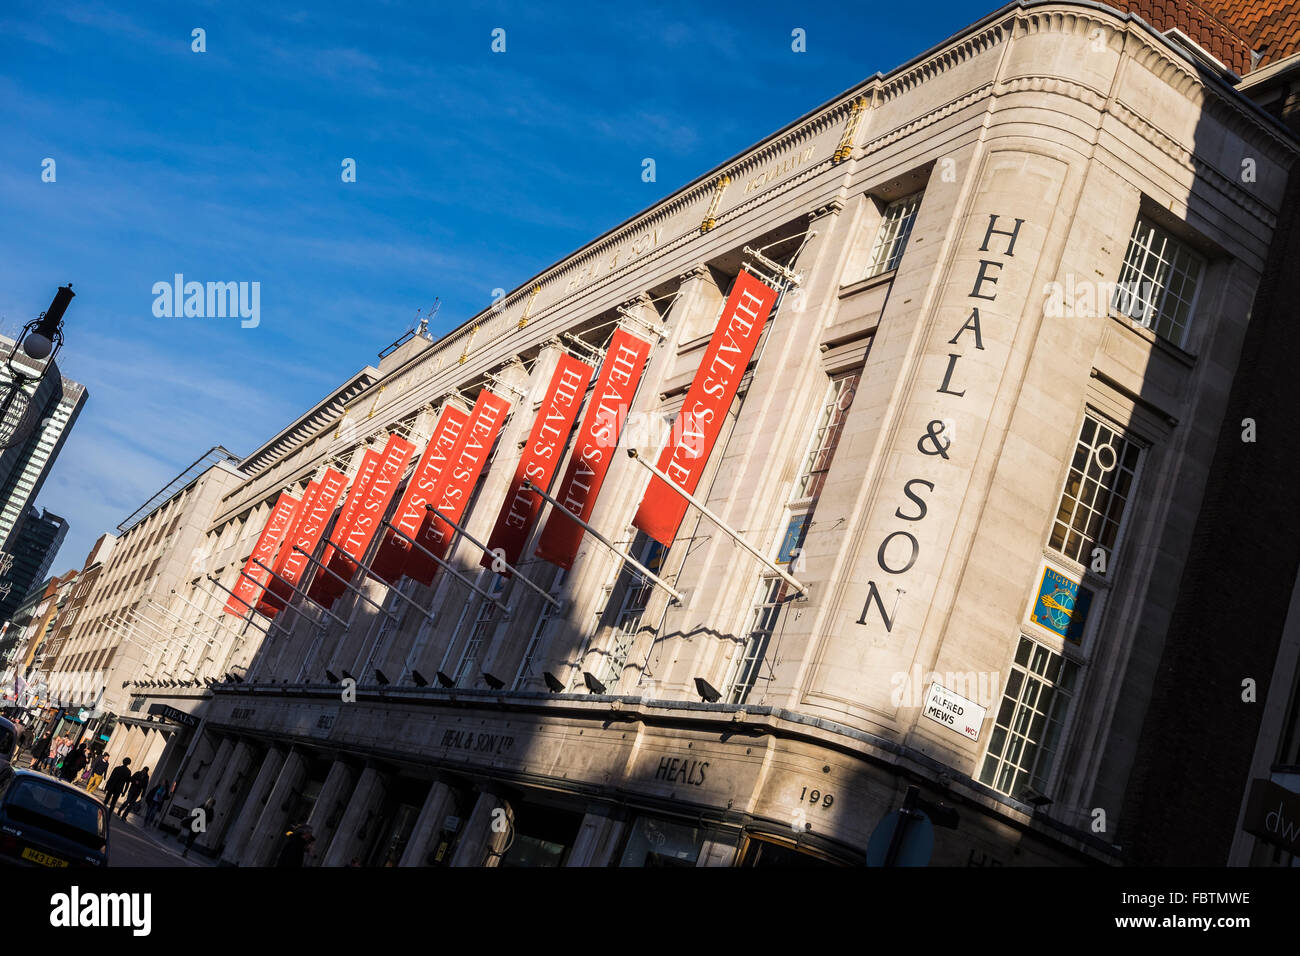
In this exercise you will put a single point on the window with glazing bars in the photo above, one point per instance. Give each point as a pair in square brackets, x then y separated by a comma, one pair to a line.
[1158, 281]
[634, 591]
[1097, 491]
[548, 613]
[826, 433]
[891, 238]
[762, 626]
[1027, 732]
[483, 621]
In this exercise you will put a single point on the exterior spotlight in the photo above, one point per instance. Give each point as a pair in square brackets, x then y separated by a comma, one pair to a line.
[379, 676]
[593, 685]
[707, 691]
[553, 682]
[347, 676]
[419, 679]
[496, 683]
[444, 680]
[331, 676]
[1035, 799]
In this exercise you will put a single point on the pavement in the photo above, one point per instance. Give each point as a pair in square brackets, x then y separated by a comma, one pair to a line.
[132, 844]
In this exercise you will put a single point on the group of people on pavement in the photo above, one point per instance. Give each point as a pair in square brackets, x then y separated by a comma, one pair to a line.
[61, 757]
[130, 789]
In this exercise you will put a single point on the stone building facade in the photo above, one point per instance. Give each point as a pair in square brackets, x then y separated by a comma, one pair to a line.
[1015, 275]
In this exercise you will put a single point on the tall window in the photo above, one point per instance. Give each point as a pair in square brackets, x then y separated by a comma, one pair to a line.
[1027, 733]
[826, 433]
[389, 622]
[479, 631]
[1096, 493]
[633, 592]
[548, 613]
[1158, 281]
[748, 665]
[773, 592]
[891, 239]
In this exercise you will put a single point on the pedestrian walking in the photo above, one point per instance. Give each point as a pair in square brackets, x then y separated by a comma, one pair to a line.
[73, 763]
[134, 791]
[154, 802]
[40, 750]
[297, 845]
[51, 758]
[64, 748]
[199, 825]
[98, 767]
[117, 781]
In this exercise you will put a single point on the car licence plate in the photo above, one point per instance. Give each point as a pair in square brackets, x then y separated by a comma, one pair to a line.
[44, 859]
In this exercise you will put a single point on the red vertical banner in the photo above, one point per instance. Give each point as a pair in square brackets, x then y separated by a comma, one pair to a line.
[324, 588]
[597, 438]
[268, 605]
[248, 586]
[395, 552]
[540, 459]
[354, 535]
[451, 497]
[700, 421]
[348, 513]
[316, 516]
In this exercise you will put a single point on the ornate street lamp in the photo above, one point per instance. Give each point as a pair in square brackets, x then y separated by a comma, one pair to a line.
[39, 341]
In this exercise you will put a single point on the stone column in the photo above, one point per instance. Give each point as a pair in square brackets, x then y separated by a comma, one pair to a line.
[597, 840]
[132, 745]
[200, 777]
[226, 792]
[152, 752]
[239, 832]
[114, 745]
[266, 838]
[331, 804]
[479, 842]
[428, 825]
[357, 827]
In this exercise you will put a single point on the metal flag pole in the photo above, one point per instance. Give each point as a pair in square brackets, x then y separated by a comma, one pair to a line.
[474, 587]
[300, 592]
[129, 631]
[190, 629]
[736, 536]
[627, 558]
[357, 591]
[210, 615]
[245, 574]
[268, 634]
[129, 638]
[495, 557]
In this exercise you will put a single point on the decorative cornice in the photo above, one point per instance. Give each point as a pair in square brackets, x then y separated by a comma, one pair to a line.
[1044, 83]
[927, 119]
[943, 61]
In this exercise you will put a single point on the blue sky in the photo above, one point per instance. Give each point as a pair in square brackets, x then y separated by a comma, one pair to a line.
[475, 170]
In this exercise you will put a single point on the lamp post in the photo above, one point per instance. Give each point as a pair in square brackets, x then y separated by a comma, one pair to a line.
[39, 342]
